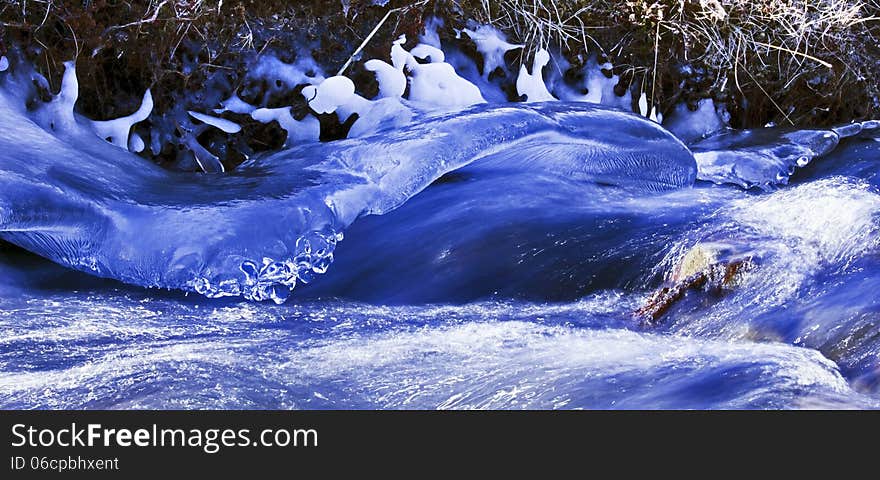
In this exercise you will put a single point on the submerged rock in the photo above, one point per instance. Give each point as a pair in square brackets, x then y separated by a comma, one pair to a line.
[709, 268]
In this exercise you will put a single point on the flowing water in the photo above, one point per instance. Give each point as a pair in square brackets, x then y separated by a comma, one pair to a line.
[490, 258]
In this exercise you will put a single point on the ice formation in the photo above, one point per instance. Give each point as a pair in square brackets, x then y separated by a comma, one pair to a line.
[428, 52]
[381, 114]
[400, 58]
[437, 84]
[691, 126]
[208, 162]
[392, 80]
[273, 222]
[643, 109]
[492, 45]
[306, 130]
[227, 126]
[328, 95]
[235, 104]
[117, 131]
[136, 143]
[593, 85]
[425, 78]
[760, 158]
[431, 34]
[434, 84]
[57, 114]
[415, 83]
[531, 85]
[491, 90]
[278, 74]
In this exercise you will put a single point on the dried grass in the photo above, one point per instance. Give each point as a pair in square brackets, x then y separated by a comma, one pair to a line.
[774, 48]
[808, 62]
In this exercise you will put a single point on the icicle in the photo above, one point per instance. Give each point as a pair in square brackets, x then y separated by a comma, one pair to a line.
[227, 126]
[136, 143]
[643, 105]
[643, 109]
[208, 162]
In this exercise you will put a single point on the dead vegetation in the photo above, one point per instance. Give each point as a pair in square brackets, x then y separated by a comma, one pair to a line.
[124, 47]
[786, 61]
[804, 62]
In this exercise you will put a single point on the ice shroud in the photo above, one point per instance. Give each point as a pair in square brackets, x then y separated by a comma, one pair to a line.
[259, 230]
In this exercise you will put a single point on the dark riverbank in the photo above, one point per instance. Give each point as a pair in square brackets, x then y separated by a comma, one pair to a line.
[805, 63]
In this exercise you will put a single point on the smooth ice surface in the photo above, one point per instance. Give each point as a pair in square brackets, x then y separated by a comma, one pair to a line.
[274, 222]
[760, 158]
